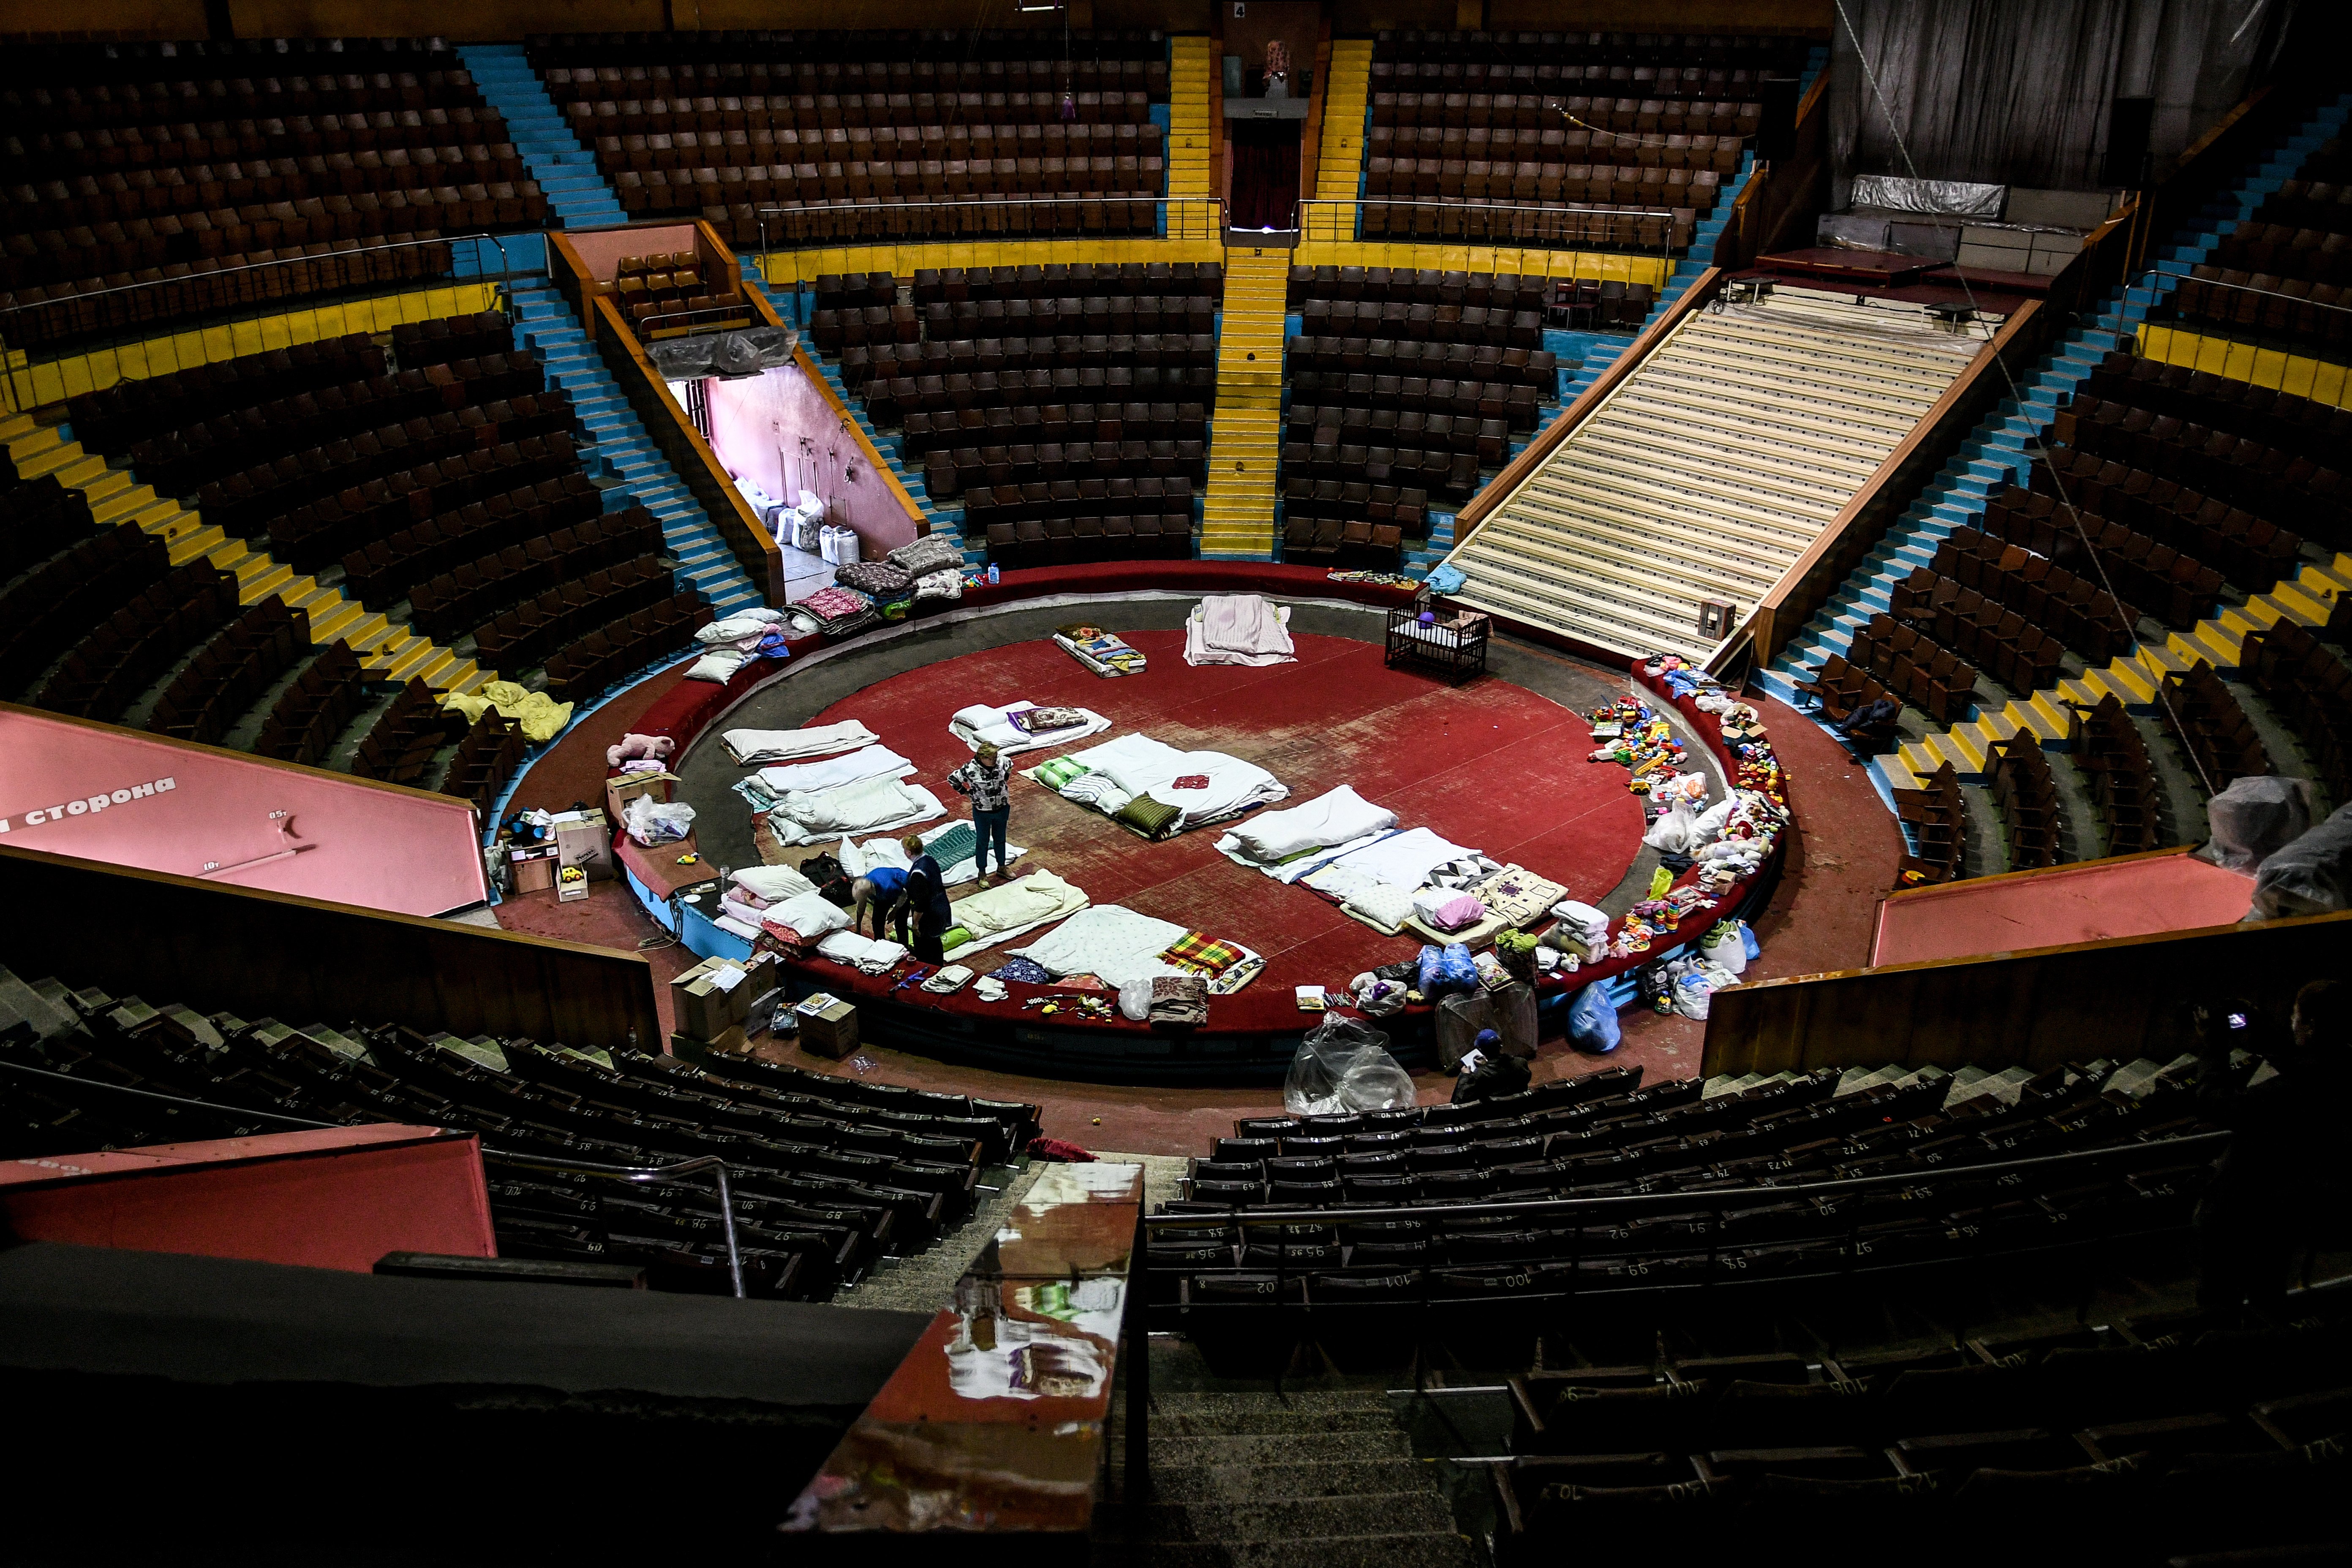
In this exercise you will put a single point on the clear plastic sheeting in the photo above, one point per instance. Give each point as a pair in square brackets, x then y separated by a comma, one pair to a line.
[2311, 875]
[727, 355]
[1948, 198]
[1343, 1066]
[2256, 817]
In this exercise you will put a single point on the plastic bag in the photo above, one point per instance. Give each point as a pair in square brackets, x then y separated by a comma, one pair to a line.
[1444, 970]
[1377, 997]
[1134, 999]
[2256, 817]
[1673, 832]
[2311, 875]
[1724, 946]
[651, 820]
[1344, 1066]
[1592, 1022]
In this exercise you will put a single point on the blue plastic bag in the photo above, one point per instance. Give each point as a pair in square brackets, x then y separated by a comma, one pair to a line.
[1748, 940]
[1447, 579]
[1592, 1021]
[1452, 969]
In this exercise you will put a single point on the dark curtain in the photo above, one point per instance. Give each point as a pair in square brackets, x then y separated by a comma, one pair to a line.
[1265, 172]
[2016, 93]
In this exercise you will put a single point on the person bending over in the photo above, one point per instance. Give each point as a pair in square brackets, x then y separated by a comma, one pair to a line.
[988, 780]
[882, 889]
[924, 899]
[2281, 1183]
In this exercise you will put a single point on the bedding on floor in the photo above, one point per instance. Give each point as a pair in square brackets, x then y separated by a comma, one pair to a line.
[1103, 653]
[874, 805]
[1402, 859]
[752, 747]
[1026, 902]
[867, 762]
[950, 843]
[1238, 628]
[1006, 730]
[1202, 787]
[1335, 817]
[1112, 942]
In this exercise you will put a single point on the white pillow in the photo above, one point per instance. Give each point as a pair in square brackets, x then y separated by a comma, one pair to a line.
[773, 883]
[1384, 903]
[720, 667]
[808, 915]
[845, 947]
[978, 717]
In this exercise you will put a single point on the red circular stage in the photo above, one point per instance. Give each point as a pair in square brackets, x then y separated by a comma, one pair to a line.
[1490, 765]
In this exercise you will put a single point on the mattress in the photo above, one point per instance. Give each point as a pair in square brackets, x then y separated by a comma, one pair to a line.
[875, 805]
[754, 747]
[1108, 940]
[981, 722]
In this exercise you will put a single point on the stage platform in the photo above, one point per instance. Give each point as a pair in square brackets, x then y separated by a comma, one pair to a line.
[2096, 901]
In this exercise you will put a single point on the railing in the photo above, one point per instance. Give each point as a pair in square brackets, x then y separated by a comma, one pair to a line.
[643, 1175]
[709, 317]
[1075, 215]
[1647, 232]
[2260, 319]
[63, 328]
[1853, 1250]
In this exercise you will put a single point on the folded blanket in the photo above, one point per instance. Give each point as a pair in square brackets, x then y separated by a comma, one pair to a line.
[1447, 910]
[845, 947]
[734, 926]
[1237, 628]
[1044, 720]
[947, 978]
[882, 956]
[1025, 901]
[931, 554]
[1402, 859]
[874, 805]
[1105, 654]
[839, 611]
[1152, 818]
[1203, 953]
[752, 747]
[1179, 1000]
[1337, 816]
[832, 773]
[946, 584]
[1011, 731]
[879, 578]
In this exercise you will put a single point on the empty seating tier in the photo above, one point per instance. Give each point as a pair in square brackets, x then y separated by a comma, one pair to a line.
[2113, 759]
[1935, 830]
[1709, 470]
[2205, 717]
[2027, 794]
[829, 1175]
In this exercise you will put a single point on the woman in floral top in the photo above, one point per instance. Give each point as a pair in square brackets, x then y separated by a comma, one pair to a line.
[988, 780]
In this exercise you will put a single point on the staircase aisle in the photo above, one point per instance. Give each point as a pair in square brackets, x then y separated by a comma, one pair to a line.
[1245, 434]
[1347, 98]
[1192, 141]
[544, 323]
[577, 196]
[388, 649]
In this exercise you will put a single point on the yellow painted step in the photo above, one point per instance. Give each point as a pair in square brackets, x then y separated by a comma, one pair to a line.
[1897, 772]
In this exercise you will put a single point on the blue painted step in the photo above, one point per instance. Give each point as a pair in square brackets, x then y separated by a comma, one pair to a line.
[577, 196]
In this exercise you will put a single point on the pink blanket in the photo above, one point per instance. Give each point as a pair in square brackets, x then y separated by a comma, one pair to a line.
[1237, 628]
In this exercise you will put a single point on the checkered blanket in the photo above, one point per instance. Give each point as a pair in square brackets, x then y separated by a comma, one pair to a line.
[1202, 954]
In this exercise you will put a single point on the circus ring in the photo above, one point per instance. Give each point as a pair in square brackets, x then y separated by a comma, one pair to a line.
[1497, 764]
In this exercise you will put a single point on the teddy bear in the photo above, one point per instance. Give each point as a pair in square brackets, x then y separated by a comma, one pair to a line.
[634, 748]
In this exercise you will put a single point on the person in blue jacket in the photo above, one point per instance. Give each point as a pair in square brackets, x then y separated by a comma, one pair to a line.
[924, 899]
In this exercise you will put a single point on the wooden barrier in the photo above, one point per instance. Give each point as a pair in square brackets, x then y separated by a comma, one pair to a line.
[1538, 451]
[2036, 1008]
[304, 960]
[747, 538]
[1777, 194]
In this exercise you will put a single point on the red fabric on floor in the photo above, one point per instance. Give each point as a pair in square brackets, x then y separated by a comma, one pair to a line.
[1490, 765]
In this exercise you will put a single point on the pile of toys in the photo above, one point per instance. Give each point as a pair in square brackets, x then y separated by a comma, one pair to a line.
[1631, 734]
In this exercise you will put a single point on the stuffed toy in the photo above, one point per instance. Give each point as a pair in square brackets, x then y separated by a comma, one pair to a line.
[634, 748]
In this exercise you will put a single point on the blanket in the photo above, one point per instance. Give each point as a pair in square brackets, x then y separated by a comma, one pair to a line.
[1103, 653]
[950, 844]
[1111, 943]
[1238, 628]
[540, 717]
[1203, 953]
[981, 722]
[832, 773]
[1133, 766]
[1339, 817]
[1401, 859]
[1021, 903]
[752, 747]
[873, 806]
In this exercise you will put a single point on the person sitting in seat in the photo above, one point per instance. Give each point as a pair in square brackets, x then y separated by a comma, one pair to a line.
[1869, 729]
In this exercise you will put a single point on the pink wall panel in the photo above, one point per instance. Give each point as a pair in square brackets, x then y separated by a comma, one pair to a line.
[332, 1198]
[103, 793]
[781, 432]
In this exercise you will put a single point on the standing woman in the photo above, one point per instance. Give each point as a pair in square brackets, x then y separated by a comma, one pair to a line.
[988, 780]
[925, 902]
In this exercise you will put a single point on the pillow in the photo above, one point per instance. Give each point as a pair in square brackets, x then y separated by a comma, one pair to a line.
[807, 916]
[978, 717]
[1446, 909]
[720, 667]
[773, 883]
[1385, 904]
[931, 554]
[947, 584]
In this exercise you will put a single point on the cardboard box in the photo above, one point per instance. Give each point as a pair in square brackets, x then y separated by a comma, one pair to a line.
[534, 872]
[831, 1032]
[713, 997]
[586, 844]
[764, 1013]
[731, 1042]
[622, 788]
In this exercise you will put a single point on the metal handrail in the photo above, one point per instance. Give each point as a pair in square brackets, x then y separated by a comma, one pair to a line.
[505, 270]
[1494, 216]
[646, 323]
[950, 204]
[644, 1175]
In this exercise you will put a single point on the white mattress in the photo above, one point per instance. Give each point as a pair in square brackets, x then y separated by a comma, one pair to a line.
[752, 747]
[1108, 940]
[979, 723]
[875, 805]
[832, 773]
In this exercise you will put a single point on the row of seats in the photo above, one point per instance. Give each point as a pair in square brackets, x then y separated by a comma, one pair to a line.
[1430, 451]
[159, 152]
[579, 672]
[950, 473]
[944, 367]
[1515, 407]
[1060, 541]
[203, 187]
[2293, 311]
[1043, 325]
[2322, 255]
[129, 650]
[115, 419]
[310, 715]
[2309, 686]
[448, 339]
[317, 532]
[1035, 371]
[1923, 673]
[2177, 590]
[379, 575]
[405, 737]
[2265, 480]
[1354, 544]
[2076, 610]
[1934, 829]
[146, 298]
[61, 598]
[284, 230]
[797, 66]
[1429, 340]
[2245, 549]
[1501, 219]
[180, 462]
[1599, 186]
[446, 606]
[2206, 718]
[38, 517]
[2032, 824]
[1997, 639]
[1409, 286]
[1141, 281]
[842, 131]
[774, 174]
[523, 637]
[1040, 501]
[229, 671]
[843, 221]
[1576, 124]
[2303, 425]
[487, 757]
[2113, 759]
[1035, 423]
[1450, 54]
[1317, 496]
